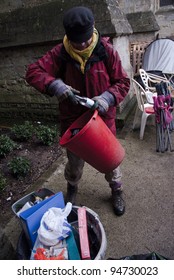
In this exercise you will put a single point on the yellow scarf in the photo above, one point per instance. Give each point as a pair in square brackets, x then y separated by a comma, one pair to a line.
[81, 56]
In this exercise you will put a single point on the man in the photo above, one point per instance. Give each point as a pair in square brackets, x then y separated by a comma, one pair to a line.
[85, 63]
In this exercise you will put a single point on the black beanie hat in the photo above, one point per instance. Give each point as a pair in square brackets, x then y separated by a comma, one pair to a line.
[79, 24]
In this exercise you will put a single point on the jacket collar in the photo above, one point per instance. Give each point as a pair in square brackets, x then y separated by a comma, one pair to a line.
[99, 53]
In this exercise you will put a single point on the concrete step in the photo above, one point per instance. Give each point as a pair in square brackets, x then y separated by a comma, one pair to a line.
[123, 116]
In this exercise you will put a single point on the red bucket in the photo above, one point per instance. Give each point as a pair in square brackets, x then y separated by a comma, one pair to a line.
[94, 142]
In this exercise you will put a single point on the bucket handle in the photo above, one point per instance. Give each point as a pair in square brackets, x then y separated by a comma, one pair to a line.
[95, 115]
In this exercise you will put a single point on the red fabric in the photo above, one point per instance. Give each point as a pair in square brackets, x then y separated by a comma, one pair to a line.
[150, 110]
[99, 77]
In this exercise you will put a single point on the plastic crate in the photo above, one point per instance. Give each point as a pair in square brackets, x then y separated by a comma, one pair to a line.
[43, 192]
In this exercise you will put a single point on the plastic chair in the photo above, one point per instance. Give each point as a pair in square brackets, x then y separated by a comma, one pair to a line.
[143, 106]
[149, 80]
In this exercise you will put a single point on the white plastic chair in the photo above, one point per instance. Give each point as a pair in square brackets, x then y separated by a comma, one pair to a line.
[149, 80]
[143, 106]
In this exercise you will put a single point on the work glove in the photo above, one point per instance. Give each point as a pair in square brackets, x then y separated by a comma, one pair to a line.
[104, 101]
[62, 91]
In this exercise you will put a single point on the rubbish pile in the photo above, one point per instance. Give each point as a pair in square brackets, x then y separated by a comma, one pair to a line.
[52, 230]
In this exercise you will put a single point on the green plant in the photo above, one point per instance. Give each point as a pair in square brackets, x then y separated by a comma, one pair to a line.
[3, 182]
[46, 134]
[6, 145]
[19, 166]
[24, 131]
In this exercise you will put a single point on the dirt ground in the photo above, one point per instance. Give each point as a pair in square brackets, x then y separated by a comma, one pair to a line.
[41, 158]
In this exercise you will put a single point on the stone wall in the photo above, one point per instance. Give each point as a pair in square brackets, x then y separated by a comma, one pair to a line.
[164, 16]
[43, 23]
[30, 28]
[17, 98]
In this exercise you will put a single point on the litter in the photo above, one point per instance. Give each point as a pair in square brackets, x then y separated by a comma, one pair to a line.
[31, 217]
[42, 193]
[41, 252]
[57, 242]
[83, 234]
[44, 254]
[73, 251]
[54, 225]
[85, 101]
[74, 131]
[26, 206]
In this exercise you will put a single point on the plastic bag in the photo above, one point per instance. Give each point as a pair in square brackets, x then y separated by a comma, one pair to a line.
[54, 225]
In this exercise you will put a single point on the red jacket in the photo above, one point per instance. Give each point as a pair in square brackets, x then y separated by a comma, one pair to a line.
[103, 71]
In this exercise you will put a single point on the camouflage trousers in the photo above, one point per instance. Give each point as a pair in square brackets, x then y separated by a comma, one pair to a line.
[74, 170]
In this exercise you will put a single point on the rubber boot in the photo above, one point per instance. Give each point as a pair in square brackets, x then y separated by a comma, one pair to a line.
[117, 199]
[71, 193]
